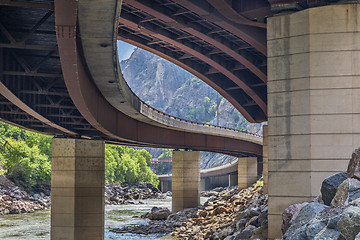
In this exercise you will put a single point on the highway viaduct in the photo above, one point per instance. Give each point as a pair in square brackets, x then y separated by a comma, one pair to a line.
[292, 63]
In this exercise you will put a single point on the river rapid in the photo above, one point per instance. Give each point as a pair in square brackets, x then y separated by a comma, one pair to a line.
[36, 225]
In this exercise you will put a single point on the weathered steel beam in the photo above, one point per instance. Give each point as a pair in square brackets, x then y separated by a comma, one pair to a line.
[31, 74]
[20, 104]
[252, 35]
[195, 31]
[223, 7]
[37, 25]
[44, 92]
[28, 46]
[27, 4]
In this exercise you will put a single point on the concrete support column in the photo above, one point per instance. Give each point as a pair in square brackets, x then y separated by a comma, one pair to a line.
[165, 186]
[77, 189]
[265, 171]
[185, 180]
[233, 180]
[313, 102]
[247, 172]
[205, 184]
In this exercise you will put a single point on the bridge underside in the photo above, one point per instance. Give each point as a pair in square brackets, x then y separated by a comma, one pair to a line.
[230, 58]
[35, 95]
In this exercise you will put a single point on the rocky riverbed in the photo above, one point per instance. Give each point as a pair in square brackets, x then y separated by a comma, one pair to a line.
[228, 214]
[15, 200]
[116, 194]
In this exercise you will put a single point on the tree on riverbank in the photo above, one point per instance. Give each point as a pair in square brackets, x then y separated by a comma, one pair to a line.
[124, 164]
[26, 159]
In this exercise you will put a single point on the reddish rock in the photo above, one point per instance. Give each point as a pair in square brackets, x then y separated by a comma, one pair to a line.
[202, 213]
[290, 214]
[347, 192]
[341, 195]
[220, 210]
[353, 170]
[6, 198]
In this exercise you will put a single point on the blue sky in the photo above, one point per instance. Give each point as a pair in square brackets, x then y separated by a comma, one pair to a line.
[124, 50]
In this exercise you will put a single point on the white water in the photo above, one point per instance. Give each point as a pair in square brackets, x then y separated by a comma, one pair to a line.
[36, 225]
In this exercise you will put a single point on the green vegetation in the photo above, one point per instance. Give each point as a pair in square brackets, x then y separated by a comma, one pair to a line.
[196, 82]
[164, 167]
[26, 159]
[242, 126]
[124, 164]
[203, 113]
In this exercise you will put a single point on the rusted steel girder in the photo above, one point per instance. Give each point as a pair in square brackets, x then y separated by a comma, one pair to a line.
[254, 9]
[223, 7]
[113, 123]
[247, 89]
[256, 37]
[193, 30]
[20, 104]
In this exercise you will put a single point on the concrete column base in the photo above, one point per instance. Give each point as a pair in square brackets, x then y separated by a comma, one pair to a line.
[77, 189]
[185, 180]
[247, 172]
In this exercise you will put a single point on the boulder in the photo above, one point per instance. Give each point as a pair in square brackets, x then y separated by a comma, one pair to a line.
[159, 213]
[353, 170]
[246, 233]
[330, 185]
[320, 230]
[357, 236]
[307, 213]
[347, 192]
[349, 223]
[290, 214]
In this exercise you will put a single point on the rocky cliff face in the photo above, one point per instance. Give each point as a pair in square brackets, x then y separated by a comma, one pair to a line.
[173, 90]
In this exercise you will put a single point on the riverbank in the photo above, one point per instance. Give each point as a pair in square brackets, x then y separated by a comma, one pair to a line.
[16, 200]
[228, 214]
[37, 225]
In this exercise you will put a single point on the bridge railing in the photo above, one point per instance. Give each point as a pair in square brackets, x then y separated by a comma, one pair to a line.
[193, 122]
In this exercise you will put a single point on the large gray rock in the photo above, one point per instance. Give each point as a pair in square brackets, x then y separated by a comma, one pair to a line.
[330, 185]
[320, 230]
[289, 214]
[347, 192]
[297, 230]
[353, 170]
[349, 223]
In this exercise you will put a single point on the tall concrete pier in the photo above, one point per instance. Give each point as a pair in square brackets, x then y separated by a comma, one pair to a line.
[77, 189]
[313, 101]
[247, 172]
[185, 180]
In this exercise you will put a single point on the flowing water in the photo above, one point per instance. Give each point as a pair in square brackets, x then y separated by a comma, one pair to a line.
[36, 225]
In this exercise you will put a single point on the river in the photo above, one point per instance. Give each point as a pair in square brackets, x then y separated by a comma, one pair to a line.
[36, 225]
